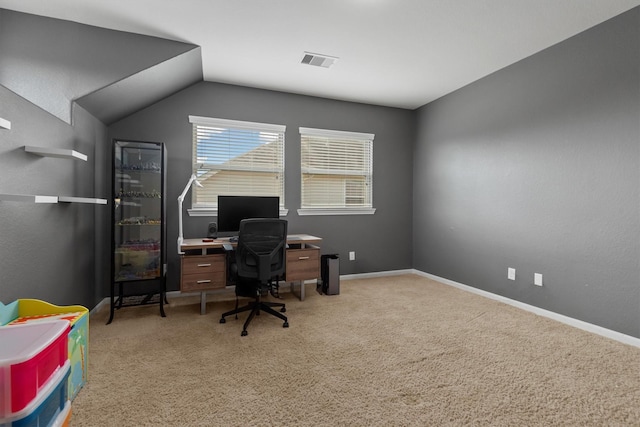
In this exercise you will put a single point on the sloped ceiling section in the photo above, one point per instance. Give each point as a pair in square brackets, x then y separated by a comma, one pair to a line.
[144, 88]
[52, 63]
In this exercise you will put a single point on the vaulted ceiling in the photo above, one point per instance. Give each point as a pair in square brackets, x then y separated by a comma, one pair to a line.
[394, 53]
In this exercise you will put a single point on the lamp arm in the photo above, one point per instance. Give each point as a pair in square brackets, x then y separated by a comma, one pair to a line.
[180, 201]
[186, 188]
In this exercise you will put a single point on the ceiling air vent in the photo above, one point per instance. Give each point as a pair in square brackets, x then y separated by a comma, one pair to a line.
[318, 60]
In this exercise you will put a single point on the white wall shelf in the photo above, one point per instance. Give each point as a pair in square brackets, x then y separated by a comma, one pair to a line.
[55, 152]
[65, 199]
[28, 198]
[5, 124]
[51, 152]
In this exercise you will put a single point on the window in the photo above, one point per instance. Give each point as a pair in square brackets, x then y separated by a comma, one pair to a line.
[235, 158]
[337, 172]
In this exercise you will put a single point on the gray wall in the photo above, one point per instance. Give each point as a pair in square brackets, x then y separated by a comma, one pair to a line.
[52, 62]
[537, 167]
[381, 241]
[59, 253]
[53, 252]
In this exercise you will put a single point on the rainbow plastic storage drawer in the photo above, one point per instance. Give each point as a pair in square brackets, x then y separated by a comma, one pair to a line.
[48, 407]
[64, 418]
[31, 358]
[33, 311]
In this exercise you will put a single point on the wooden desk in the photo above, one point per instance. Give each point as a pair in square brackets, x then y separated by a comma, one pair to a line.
[204, 264]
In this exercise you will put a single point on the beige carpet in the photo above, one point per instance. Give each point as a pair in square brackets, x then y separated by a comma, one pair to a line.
[395, 351]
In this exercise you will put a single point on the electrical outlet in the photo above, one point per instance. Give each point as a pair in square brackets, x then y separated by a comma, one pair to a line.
[511, 273]
[352, 256]
[537, 279]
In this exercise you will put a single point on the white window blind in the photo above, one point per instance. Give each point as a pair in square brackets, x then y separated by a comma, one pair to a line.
[337, 170]
[236, 158]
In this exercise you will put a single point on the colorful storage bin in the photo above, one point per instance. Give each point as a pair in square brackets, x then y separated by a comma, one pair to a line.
[29, 356]
[34, 311]
[64, 418]
[51, 405]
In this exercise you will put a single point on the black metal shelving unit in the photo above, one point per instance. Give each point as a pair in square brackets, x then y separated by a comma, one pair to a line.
[138, 225]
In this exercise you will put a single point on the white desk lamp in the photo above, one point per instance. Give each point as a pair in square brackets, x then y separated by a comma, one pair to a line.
[180, 200]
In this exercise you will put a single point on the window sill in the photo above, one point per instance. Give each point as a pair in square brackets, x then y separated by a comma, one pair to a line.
[336, 211]
[214, 212]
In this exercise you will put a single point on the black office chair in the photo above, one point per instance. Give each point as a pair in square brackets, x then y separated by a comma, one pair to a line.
[260, 257]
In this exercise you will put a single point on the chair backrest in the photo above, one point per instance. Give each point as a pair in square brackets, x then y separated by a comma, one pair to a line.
[261, 249]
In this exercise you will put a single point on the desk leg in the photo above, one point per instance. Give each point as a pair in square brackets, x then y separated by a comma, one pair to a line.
[292, 284]
[203, 302]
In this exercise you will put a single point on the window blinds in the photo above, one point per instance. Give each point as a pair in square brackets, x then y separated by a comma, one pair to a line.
[337, 169]
[236, 158]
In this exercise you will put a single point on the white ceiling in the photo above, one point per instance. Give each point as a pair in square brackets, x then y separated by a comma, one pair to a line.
[399, 53]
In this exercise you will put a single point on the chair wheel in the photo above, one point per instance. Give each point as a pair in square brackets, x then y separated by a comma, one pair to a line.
[243, 333]
[283, 310]
[285, 325]
[223, 320]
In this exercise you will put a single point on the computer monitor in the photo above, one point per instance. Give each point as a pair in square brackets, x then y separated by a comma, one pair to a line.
[233, 209]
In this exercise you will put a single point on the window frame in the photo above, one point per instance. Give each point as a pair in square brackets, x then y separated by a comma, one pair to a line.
[343, 135]
[240, 125]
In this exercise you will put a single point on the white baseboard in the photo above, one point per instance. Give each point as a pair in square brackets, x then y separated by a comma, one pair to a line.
[99, 306]
[589, 327]
[105, 302]
[376, 274]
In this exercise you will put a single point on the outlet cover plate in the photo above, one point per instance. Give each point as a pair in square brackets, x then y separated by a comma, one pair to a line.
[511, 273]
[537, 279]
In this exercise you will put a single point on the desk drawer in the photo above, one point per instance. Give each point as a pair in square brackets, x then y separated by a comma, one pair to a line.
[199, 264]
[200, 273]
[303, 264]
[203, 282]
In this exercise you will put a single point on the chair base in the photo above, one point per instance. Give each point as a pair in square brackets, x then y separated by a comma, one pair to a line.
[256, 307]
